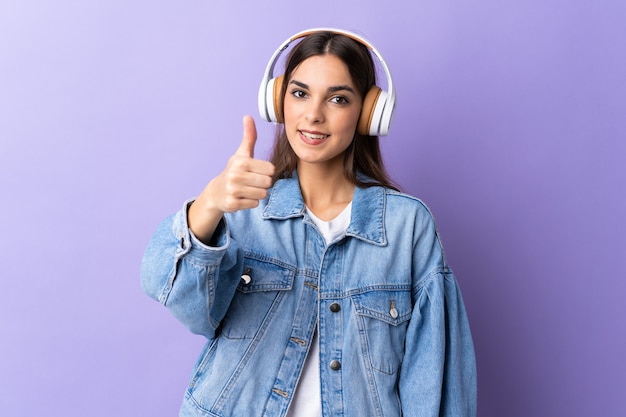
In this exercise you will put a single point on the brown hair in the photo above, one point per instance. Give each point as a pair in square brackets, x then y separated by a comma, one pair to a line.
[363, 155]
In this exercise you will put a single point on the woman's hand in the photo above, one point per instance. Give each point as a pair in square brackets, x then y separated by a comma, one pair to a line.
[239, 186]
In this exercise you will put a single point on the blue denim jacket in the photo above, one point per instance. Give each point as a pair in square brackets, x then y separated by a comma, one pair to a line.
[393, 332]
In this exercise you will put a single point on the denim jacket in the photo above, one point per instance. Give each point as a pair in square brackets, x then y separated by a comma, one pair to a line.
[393, 333]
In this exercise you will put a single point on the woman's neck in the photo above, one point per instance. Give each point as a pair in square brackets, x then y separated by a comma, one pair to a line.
[326, 191]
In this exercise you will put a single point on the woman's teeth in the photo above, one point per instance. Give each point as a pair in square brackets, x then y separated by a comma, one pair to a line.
[313, 136]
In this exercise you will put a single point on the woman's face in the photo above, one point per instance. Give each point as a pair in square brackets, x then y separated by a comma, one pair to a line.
[321, 110]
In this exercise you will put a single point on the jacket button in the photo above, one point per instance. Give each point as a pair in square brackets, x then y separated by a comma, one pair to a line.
[335, 365]
[393, 312]
[246, 278]
[335, 308]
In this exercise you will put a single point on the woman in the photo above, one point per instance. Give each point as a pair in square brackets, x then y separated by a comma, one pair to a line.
[322, 290]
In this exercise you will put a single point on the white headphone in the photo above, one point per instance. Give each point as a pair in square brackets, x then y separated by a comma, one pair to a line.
[378, 105]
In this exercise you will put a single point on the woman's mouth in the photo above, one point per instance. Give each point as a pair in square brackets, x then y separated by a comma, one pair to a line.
[312, 138]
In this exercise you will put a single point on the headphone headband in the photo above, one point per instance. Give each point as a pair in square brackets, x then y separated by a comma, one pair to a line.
[376, 120]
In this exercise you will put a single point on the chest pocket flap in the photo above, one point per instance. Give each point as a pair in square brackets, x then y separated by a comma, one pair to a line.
[391, 306]
[265, 274]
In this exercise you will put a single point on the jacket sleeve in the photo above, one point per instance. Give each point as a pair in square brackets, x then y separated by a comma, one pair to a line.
[194, 281]
[438, 372]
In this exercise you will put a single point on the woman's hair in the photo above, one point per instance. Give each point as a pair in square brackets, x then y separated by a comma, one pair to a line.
[363, 155]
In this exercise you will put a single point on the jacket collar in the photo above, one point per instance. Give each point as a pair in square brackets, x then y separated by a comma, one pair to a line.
[366, 220]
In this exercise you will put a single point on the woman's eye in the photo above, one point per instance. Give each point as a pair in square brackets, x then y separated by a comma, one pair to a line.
[298, 93]
[339, 100]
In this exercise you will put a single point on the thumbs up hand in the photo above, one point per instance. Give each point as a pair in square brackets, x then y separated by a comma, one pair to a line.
[239, 186]
[245, 180]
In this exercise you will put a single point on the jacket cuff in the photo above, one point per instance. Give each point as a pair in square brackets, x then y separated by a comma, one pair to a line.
[191, 247]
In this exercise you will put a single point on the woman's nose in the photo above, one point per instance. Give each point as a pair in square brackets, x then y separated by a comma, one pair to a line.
[315, 111]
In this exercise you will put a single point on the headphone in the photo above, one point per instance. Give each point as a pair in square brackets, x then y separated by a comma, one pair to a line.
[378, 105]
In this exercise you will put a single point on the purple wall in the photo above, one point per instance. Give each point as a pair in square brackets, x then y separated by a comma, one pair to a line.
[511, 126]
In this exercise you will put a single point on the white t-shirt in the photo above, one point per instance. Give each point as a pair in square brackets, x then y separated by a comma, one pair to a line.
[307, 400]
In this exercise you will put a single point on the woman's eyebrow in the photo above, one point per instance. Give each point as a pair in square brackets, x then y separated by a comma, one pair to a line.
[341, 88]
[330, 89]
[299, 84]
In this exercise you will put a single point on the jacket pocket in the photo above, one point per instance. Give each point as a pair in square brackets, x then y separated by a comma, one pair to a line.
[382, 316]
[262, 287]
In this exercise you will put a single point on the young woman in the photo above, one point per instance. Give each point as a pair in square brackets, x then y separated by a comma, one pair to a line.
[322, 289]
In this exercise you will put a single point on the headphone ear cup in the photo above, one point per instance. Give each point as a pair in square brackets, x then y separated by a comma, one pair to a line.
[268, 99]
[370, 104]
[387, 104]
[277, 99]
[273, 100]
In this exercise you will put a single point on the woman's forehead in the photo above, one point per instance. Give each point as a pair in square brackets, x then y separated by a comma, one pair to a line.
[322, 69]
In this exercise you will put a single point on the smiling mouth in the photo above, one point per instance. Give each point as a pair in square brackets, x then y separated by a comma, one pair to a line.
[313, 136]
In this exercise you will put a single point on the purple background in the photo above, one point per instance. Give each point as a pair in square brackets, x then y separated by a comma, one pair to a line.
[510, 125]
